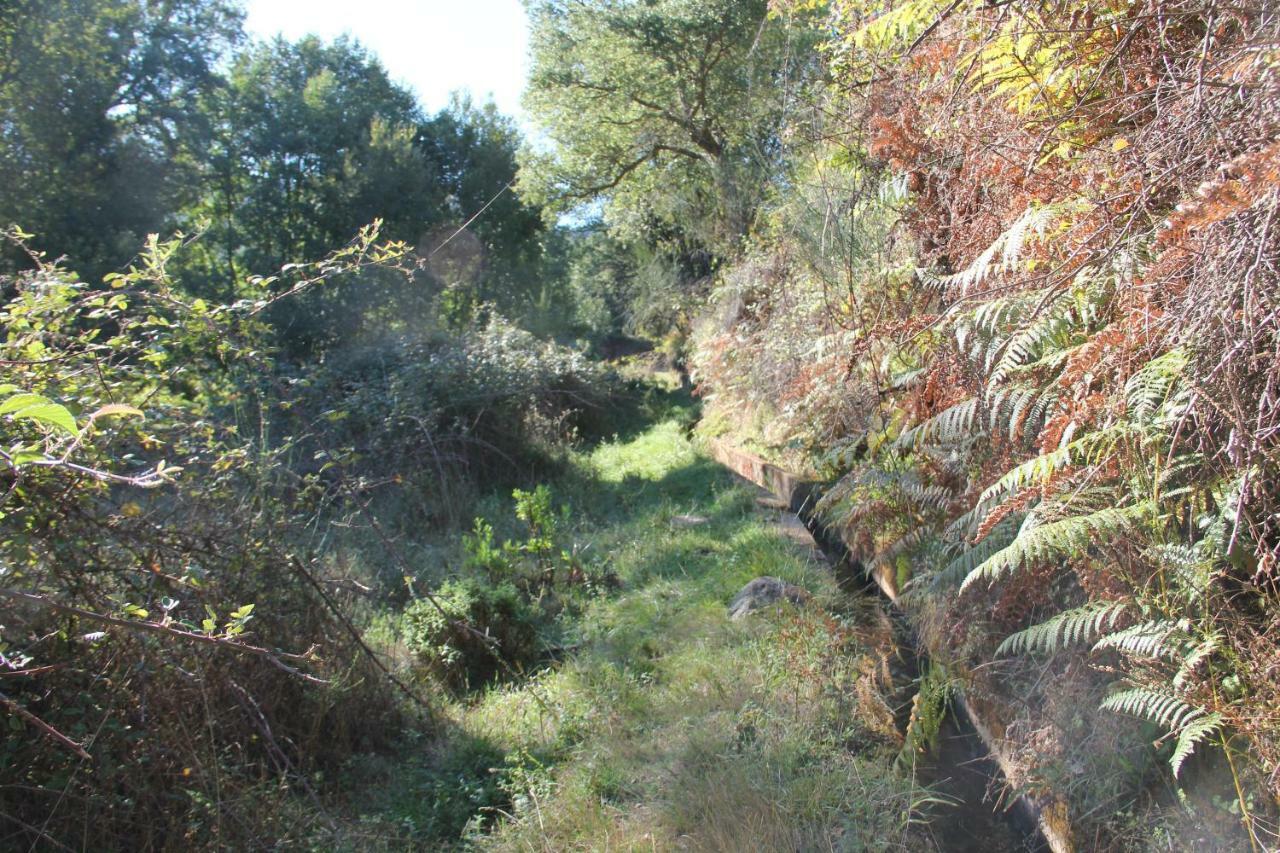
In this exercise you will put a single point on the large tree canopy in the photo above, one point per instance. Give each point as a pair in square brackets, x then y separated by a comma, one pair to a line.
[472, 152]
[670, 108]
[97, 101]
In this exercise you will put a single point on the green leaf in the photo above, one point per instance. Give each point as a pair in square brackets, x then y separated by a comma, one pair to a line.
[1192, 734]
[49, 414]
[21, 401]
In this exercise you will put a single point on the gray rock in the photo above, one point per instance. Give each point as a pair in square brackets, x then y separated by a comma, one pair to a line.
[764, 591]
[683, 522]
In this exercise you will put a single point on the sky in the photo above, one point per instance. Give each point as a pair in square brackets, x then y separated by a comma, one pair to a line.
[434, 47]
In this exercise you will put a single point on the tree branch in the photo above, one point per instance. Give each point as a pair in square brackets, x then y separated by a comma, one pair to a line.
[15, 708]
[275, 658]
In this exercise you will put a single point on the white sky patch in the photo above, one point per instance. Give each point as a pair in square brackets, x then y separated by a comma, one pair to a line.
[434, 47]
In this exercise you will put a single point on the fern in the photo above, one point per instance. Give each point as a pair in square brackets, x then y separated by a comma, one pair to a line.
[946, 427]
[1148, 388]
[1091, 448]
[1006, 250]
[897, 26]
[1192, 734]
[955, 571]
[936, 498]
[1054, 326]
[1160, 708]
[1066, 629]
[903, 545]
[1039, 542]
[1186, 564]
[996, 314]
[1191, 724]
[1195, 657]
[928, 709]
[1149, 639]
[1018, 407]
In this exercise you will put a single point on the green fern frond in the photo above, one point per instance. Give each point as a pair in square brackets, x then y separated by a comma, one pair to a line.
[996, 314]
[1148, 388]
[928, 710]
[1036, 470]
[898, 25]
[948, 426]
[902, 545]
[1013, 409]
[1006, 250]
[1066, 629]
[1160, 708]
[1202, 651]
[1090, 448]
[955, 571]
[1053, 330]
[1189, 569]
[905, 379]
[1038, 542]
[1192, 734]
[1149, 639]
[1192, 725]
[936, 498]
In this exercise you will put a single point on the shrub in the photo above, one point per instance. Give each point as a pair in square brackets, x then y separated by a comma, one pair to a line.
[485, 624]
[471, 631]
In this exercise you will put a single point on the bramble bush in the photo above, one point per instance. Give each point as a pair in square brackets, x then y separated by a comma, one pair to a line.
[180, 657]
[488, 621]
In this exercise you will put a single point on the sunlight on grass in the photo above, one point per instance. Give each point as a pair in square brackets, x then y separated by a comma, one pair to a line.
[653, 455]
[670, 725]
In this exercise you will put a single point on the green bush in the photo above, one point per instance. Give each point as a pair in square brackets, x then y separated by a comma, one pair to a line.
[478, 632]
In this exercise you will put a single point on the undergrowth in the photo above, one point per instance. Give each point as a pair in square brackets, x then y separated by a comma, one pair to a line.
[654, 721]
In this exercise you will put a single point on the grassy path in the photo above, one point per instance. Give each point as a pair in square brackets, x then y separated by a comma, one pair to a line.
[669, 726]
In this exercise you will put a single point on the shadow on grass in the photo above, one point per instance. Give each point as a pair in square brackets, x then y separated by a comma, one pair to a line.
[436, 791]
[635, 407]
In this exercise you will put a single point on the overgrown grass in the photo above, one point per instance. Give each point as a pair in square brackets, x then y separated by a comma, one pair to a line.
[664, 724]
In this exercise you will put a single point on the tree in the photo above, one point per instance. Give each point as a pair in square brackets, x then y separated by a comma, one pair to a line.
[472, 151]
[671, 109]
[97, 105]
[310, 141]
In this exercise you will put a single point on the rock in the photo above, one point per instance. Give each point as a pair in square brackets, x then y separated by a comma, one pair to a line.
[764, 591]
[681, 522]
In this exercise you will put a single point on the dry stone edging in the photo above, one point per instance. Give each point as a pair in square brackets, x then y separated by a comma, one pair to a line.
[1048, 816]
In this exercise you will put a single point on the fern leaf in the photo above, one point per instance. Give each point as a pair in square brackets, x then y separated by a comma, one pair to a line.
[1016, 408]
[1193, 659]
[901, 546]
[960, 567]
[995, 314]
[1150, 386]
[1090, 448]
[1039, 542]
[1149, 639]
[1191, 724]
[947, 426]
[1160, 708]
[936, 498]
[1006, 250]
[1192, 734]
[1055, 325]
[1067, 628]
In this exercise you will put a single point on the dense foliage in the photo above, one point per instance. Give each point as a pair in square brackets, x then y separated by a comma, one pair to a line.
[215, 446]
[1023, 303]
[1004, 275]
